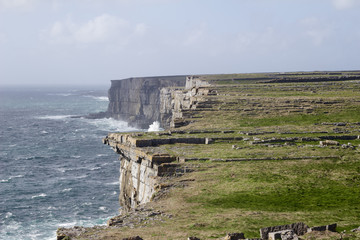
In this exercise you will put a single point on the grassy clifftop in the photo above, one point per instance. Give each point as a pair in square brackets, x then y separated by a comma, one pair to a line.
[282, 148]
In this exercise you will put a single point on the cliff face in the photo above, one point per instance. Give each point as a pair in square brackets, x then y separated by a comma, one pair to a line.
[137, 100]
[140, 168]
[142, 165]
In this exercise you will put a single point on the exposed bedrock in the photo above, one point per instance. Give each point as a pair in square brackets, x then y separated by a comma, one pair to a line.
[140, 169]
[138, 102]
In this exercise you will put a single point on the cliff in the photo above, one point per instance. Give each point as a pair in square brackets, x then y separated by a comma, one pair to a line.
[137, 100]
[139, 170]
[228, 160]
[142, 163]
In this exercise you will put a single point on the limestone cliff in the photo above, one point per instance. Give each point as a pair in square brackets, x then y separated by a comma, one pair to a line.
[140, 169]
[137, 100]
[142, 165]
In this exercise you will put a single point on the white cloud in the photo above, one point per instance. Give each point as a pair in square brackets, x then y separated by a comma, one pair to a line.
[315, 30]
[344, 4]
[100, 29]
[140, 29]
[16, 3]
[103, 28]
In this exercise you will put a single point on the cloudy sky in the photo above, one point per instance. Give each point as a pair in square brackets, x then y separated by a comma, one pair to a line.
[93, 41]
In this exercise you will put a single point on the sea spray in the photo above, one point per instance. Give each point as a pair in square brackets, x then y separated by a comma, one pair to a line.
[155, 127]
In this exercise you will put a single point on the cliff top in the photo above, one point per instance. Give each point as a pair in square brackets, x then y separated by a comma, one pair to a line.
[258, 150]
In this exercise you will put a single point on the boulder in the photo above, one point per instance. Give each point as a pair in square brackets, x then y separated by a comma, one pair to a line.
[234, 236]
[329, 143]
[355, 229]
[133, 238]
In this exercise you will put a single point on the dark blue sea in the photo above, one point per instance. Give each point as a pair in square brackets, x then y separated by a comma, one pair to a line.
[54, 169]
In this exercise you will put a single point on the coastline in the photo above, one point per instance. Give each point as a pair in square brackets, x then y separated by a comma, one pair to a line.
[245, 120]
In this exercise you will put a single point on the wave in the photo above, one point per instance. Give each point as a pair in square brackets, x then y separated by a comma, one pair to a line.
[95, 168]
[67, 225]
[60, 94]
[155, 127]
[11, 177]
[66, 190]
[39, 195]
[113, 183]
[81, 176]
[111, 125]
[102, 155]
[103, 208]
[55, 117]
[8, 214]
[101, 98]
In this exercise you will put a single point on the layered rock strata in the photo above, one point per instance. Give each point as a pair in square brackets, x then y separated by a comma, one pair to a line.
[141, 165]
[137, 100]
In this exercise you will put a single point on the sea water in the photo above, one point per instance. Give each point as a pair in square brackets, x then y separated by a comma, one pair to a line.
[54, 169]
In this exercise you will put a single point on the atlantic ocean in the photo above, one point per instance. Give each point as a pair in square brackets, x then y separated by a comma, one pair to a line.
[54, 170]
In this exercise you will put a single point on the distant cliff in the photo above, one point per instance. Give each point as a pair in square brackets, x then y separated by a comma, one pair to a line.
[137, 100]
[142, 164]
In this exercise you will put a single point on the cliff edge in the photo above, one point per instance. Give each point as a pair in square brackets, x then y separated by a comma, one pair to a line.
[242, 152]
[137, 100]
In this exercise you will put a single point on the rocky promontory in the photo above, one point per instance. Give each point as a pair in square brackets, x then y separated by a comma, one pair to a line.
[240, 152]
[137, 100]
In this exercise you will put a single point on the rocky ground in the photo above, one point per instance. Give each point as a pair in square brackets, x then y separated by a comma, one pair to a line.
[252, 151]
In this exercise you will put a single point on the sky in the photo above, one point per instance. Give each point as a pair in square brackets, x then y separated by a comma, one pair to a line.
[77, 42]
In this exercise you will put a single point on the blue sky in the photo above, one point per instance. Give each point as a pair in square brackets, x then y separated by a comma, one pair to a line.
[94, 41]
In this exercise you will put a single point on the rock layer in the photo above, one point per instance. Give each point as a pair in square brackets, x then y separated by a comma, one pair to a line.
[137, 100]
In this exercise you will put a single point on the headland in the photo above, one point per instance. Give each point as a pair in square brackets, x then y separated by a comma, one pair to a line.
[240, 152]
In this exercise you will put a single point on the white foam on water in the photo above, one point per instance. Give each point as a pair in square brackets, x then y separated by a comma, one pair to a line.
[67, 225]
[101, 98]
[55, 117]
[61, 170]
[103, 208]
[39, 195]
[82, 176]
[102, 155]
[110, 125]
[95, 168]
[16, 176]
[155, 127]
[87, 204]
[66, 190]
[113, 183]
[60, 94]
[11, 177]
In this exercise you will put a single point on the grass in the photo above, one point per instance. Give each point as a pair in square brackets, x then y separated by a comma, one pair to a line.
[246, 196]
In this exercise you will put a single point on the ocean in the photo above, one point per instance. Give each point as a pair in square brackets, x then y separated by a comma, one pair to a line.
[54, 169]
